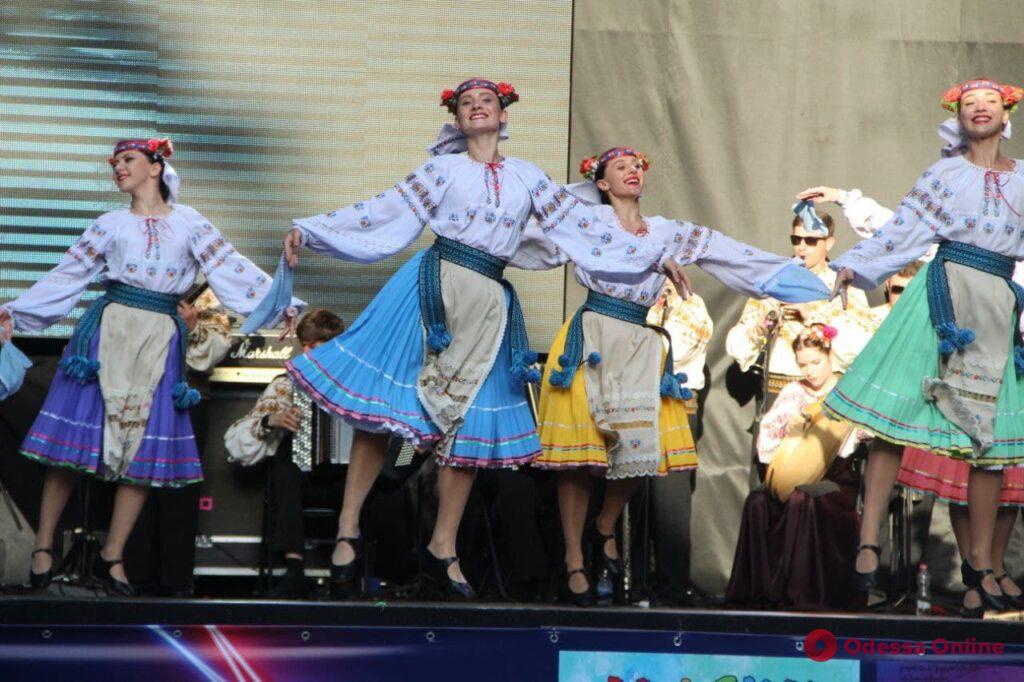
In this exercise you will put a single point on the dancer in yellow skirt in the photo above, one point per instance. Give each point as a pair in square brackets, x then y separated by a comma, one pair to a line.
[624, 413]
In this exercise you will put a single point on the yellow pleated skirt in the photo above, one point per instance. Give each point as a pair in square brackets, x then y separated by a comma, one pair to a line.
[569, 437]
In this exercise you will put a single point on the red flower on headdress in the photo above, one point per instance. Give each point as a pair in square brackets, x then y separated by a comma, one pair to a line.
[829, 332]
[446, 95]
[1011, 94]
[644, 161]
[161, 146]
[588, 168]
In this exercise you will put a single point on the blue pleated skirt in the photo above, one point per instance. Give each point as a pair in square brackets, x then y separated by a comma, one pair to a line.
[368, 376]
[69, 430]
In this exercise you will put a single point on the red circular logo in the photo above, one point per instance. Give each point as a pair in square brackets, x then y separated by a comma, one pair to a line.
[820, 645]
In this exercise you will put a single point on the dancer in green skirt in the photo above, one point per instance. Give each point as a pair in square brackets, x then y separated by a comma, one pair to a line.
[942, 373]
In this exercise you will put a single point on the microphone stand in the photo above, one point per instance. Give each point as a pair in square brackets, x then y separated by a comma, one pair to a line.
[763, 360]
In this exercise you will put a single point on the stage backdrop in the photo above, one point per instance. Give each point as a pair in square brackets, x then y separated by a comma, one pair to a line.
[277, 110]
[742, 103]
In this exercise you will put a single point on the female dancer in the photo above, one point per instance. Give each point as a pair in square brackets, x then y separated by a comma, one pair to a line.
[924, 471]
[624, 414]
[459, 389]
[941, 374]
[118, 409]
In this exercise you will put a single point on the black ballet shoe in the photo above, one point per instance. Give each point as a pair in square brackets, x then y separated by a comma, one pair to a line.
[101, 572]
[436, 570]
[581, 599]
[972, 578]
[40, 581]
[974, 612]
[1015, 602]
[865, 581]
[607, 578]
[345, 578]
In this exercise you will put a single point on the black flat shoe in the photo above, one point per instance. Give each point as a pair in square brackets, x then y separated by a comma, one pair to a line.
[1015, 602]
[40, 581]
[972, 578]
[865, 581]
[101, 572]
[436, 570]
[345, 578]
[607, 571]
[581, 599]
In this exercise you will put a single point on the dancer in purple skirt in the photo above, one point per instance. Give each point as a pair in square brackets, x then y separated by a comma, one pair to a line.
[118, 409]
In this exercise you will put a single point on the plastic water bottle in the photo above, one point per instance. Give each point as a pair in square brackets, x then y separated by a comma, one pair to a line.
[924, 591]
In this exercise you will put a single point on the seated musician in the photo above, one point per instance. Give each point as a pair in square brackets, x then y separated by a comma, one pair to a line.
[799, 530]
[265, 432]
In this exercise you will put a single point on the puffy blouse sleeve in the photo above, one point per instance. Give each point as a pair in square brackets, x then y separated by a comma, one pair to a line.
[913, 228]
[741, 267]
[785, 409]
[603, 251]
[237, 282]
[371, 230]
[54, 296]
[536, 251]
[246, 441]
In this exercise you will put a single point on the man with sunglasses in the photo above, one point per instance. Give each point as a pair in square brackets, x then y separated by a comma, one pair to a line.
[746, 340]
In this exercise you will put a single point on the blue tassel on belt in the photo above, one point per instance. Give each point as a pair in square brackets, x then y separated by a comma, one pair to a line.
[79, 367]
[940, 305]
[627, 311]
[432, 305]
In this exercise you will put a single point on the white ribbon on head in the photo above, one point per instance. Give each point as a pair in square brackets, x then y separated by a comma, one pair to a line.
[173, 182]
[956, 142]
[451, 140]
[587, 192]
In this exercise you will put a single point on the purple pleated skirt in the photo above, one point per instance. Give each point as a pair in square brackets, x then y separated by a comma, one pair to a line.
[69, 430]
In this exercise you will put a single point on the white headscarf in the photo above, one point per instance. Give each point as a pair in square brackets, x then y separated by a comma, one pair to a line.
[451, 140]
[956, 142]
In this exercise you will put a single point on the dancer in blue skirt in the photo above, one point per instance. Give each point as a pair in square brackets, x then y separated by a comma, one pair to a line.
[439, 356]
[118, 409]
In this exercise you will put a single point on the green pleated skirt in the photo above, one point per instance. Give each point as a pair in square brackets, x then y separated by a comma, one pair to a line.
[882, 390]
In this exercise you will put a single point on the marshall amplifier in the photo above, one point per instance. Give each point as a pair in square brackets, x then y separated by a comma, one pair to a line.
[231, 504]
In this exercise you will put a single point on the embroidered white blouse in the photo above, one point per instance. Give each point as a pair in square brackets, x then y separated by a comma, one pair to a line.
[163, 254]
[486, 206]
[737, 265]
[793, 399]
[953, 200]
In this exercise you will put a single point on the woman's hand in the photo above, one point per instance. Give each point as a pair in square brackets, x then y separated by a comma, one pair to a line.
[292, 246]
[674, 271]
[289, 323]
[189, 314]
[6, 326]
[820, 195]
[843, 280]
[289, 420]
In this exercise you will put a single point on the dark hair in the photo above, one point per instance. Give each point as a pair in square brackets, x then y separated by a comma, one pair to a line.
[599, 175]
[319, 325]
[165, 191]
[825, 218]
[910, 269]
[813, 336]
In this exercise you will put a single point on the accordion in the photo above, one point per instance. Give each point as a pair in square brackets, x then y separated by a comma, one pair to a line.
[322, 438]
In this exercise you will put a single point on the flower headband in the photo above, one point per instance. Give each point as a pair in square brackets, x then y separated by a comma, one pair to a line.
[821, 333]
[590, 166]
[1011, 93]
[160, 147]
[505, 91]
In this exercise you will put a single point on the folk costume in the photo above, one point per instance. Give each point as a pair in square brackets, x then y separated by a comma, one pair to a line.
[609, 398]
[942, 372]
[440, 355]
[118, 408]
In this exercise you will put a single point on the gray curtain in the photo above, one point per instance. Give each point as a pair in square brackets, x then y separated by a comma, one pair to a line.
[742, 103]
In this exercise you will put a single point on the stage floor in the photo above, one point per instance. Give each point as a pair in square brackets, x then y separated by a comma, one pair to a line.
[259, 639]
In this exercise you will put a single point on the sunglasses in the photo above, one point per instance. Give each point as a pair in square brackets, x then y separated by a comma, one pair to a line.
[810, 241]
[896, 289]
